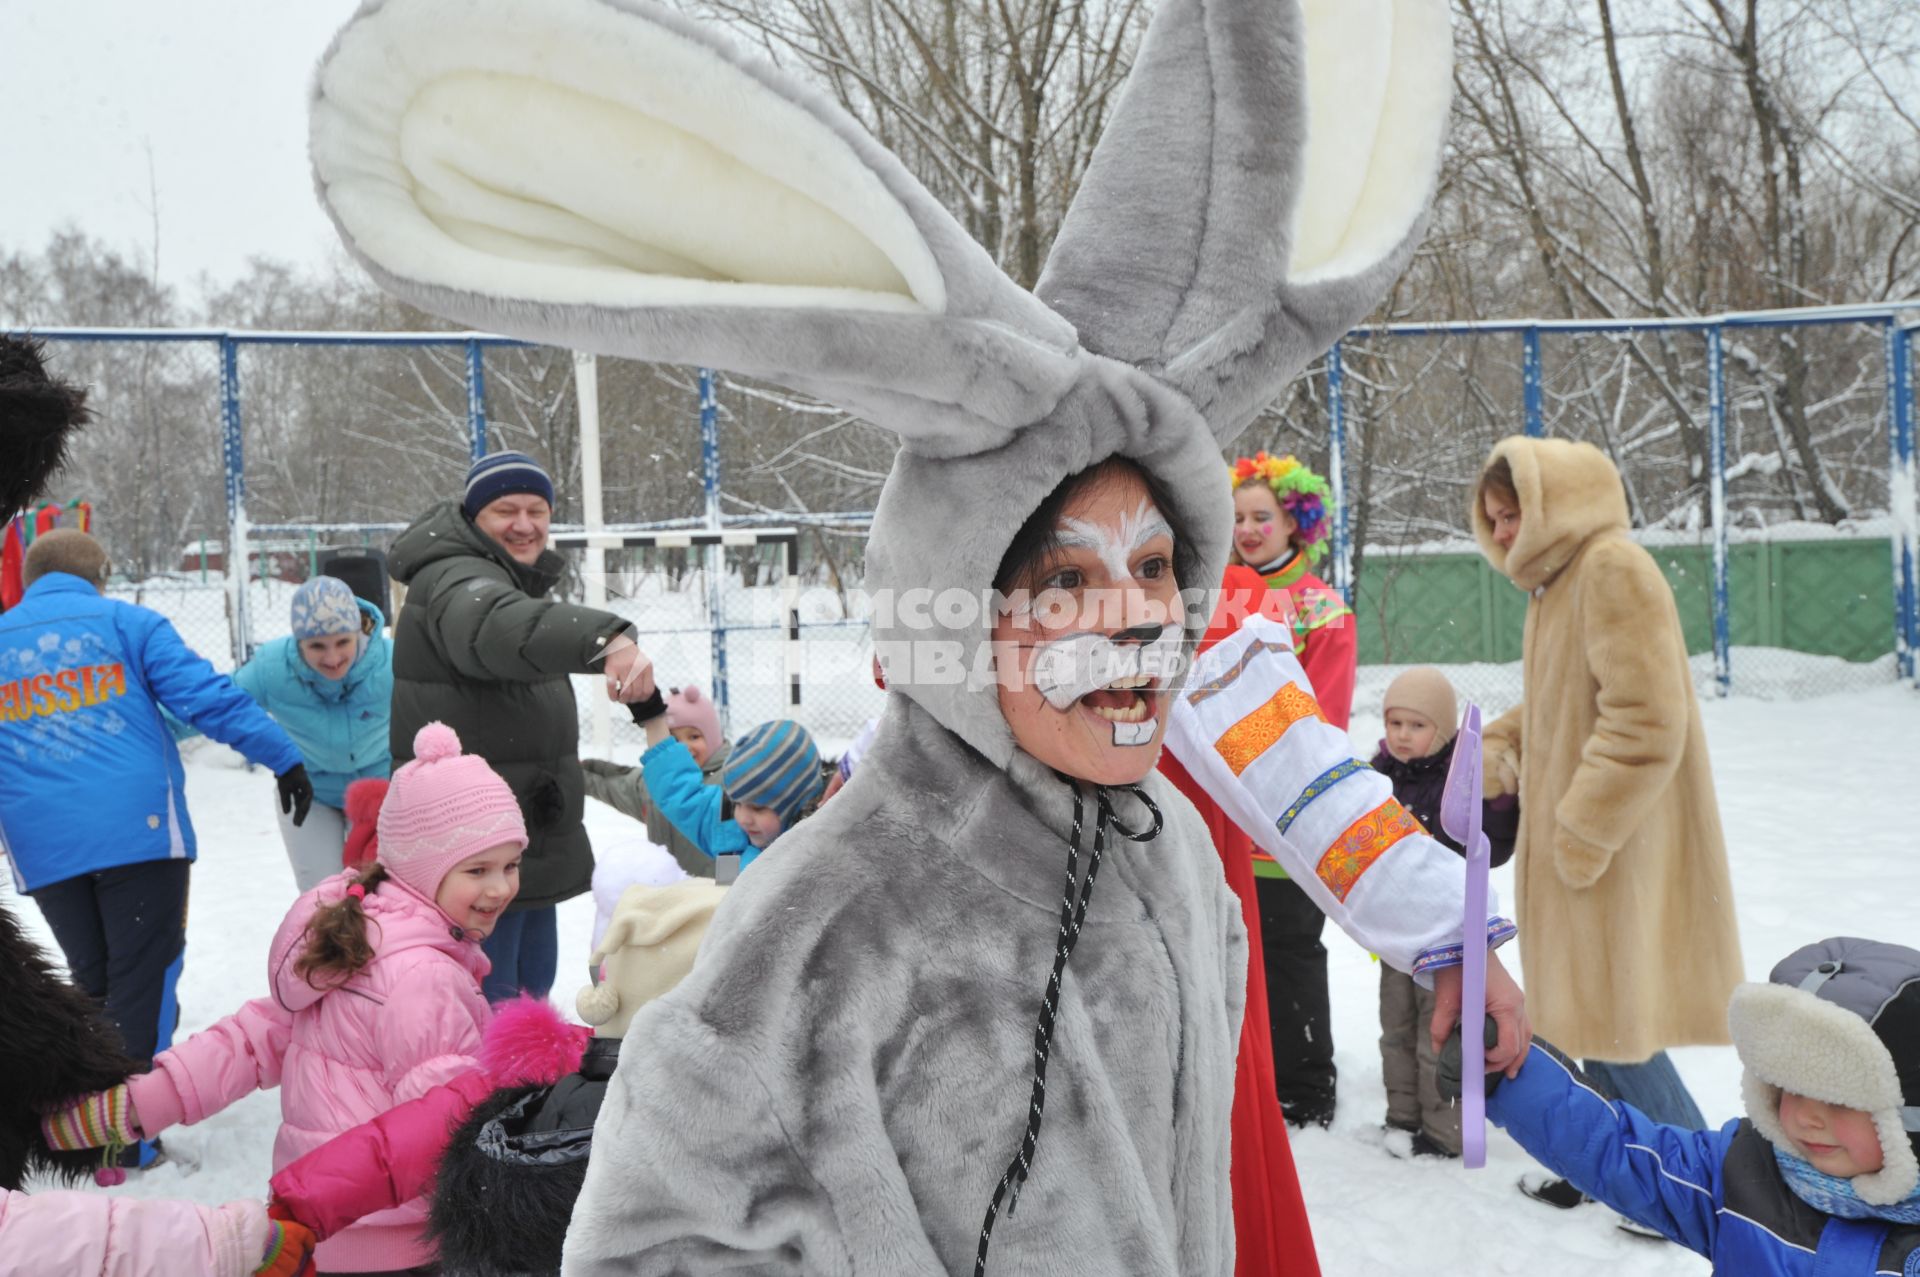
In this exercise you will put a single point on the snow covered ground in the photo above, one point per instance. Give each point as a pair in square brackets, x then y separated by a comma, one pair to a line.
[1816, 797]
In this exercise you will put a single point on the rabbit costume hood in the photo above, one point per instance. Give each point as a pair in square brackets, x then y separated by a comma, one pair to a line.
[609, 176]
[606, 175]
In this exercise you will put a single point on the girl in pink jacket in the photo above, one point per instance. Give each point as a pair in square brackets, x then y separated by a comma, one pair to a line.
[375, 978]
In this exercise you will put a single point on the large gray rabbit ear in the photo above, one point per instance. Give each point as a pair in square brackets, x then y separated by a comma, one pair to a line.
[605, 175]
[1262, 183]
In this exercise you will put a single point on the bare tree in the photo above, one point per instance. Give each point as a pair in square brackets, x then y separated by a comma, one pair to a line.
[994, 104]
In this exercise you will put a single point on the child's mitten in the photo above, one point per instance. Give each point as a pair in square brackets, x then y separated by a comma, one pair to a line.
[102, 1120]
[289, 1251]
[1449, 1069]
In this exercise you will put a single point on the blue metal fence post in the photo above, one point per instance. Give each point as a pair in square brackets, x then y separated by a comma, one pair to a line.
[1534, 420]
[1901, 497]
[233, 452]
[1337, 469]
[1717, 487]
[716, 554]
[476, 400]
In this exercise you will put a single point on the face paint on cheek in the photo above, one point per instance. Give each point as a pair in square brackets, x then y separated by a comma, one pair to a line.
[1266, 529]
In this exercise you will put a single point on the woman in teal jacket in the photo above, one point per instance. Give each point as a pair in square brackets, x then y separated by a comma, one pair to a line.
[330, 686]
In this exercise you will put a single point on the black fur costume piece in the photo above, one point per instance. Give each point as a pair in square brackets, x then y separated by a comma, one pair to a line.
[38, 416]
[512, 1171]
[54, 1045]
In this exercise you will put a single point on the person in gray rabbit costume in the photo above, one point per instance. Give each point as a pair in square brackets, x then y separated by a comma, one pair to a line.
[855, 1077]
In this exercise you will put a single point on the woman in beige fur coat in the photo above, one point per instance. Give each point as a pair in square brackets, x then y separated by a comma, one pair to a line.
[1626, 917]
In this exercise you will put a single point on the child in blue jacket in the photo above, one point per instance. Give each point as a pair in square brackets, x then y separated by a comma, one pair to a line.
[771, 779]
[1820, 1179]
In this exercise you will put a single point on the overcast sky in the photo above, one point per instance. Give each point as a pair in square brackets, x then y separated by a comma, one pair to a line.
[213, 90]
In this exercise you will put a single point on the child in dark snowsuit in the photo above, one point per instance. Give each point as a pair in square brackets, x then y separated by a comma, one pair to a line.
[1415, 754]
[1823, 1174]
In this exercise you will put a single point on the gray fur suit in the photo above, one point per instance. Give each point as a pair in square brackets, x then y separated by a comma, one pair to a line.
[838, 1086]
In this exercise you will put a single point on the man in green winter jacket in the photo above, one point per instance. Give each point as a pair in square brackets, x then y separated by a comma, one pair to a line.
[479, 646]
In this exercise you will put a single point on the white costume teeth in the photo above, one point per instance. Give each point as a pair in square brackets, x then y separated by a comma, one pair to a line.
[1068, 668]
[1140, 733]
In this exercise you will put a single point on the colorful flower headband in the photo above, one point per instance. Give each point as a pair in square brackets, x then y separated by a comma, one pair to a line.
[1302, 494]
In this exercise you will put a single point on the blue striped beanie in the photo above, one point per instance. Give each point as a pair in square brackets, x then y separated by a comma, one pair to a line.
[501, 474]
[774, 765]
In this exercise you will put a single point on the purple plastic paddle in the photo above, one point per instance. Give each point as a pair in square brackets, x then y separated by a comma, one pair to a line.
[1460, 805]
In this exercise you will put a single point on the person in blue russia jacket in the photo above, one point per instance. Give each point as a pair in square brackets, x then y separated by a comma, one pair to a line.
[1820, 1179]
[771, 779]
[330, 685]
[93, 813]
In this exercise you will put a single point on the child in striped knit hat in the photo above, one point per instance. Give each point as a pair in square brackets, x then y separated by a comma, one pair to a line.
[772, 778]
[375, 993]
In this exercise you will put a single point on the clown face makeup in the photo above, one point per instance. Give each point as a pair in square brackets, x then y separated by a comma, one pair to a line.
[1083, 667]
[1262, 531]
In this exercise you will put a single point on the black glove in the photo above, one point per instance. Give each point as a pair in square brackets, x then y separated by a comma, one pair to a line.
[296, 792]
[653, 707]
[1447, 1071]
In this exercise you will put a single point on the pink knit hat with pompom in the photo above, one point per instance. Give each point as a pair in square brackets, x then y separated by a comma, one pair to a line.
[687, 707]
[443, 807]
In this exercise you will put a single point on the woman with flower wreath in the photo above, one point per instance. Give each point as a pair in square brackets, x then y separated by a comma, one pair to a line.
[1280, 526]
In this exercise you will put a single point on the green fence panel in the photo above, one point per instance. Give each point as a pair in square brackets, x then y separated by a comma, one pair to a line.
[1424, 608]
[1833, 598]
[1837, 598]
[1689, 573]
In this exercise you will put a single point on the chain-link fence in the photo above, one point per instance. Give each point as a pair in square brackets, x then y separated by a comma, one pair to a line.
[1768, 462]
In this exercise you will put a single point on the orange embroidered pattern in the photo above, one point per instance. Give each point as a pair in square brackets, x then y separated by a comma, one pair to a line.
[1364, 842]
[1249, 738]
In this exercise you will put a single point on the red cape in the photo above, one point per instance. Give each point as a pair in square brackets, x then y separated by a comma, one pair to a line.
[1273, 1238]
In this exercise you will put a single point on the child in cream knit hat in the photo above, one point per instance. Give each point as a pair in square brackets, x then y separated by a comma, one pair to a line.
[648, 948]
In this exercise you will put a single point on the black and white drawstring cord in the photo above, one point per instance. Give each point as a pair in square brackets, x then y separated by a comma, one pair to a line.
[1073, 912]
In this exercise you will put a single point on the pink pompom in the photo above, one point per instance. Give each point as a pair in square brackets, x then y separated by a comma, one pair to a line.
[529, 1043]
[109, 1177]
[690, 694]
[434, 742]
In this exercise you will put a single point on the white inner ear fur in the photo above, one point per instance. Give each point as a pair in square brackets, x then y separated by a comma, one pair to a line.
[1379, 80]
[593, 157]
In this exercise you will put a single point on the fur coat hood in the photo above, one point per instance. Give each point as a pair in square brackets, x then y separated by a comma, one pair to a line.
[1624, 897]
[1569, 493]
